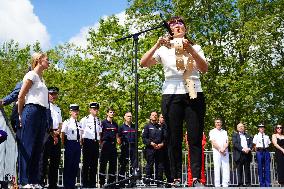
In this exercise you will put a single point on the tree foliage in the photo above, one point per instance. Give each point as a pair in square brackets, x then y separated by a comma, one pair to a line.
[243, 41]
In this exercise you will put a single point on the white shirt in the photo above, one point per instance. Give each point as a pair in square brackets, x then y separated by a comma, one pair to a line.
[70, 129]
[219, 136]
[244, 142]
[174, 82]
[88, 127]
[257, 140]
[56, 115]
[38, 93]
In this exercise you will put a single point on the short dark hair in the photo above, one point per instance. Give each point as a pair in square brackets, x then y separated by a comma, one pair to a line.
[180, 19]
[154, 111]
[110, 109]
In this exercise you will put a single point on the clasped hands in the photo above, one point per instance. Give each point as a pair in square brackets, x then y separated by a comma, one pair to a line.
[55, 135]
[246, 150]
[157, 146]
[222, 151]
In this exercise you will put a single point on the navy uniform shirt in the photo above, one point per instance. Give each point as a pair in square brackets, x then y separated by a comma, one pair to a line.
[13, 96]
[153, 133]
[127, 133]
[109, 130]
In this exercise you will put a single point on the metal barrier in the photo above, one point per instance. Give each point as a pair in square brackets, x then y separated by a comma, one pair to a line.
[209, 169]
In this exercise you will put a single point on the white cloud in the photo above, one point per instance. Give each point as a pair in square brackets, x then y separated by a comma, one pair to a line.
[80, 39]
[19, 22]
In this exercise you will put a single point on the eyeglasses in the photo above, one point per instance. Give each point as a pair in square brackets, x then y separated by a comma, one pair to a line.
[176, 23]
[278, 127]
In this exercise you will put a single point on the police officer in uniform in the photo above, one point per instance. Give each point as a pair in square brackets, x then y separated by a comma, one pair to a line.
[261, 142]
[91, 126]
[154, 138]
[71, 136]
[52, 148]
[127, 136]
[108, 150]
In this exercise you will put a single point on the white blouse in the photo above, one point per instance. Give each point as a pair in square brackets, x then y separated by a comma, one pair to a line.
[38, 93]
[174, 82]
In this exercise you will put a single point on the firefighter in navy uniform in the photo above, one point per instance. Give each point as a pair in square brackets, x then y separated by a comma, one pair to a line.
[71, 136]
[91, 126]
[166, 159]
[127, 136]
[108, 148]
[154, 138]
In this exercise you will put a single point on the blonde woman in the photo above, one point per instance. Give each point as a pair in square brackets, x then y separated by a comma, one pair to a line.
[278, 142]
[32, 109]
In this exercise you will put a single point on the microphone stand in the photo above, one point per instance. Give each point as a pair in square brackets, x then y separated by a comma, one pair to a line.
[136, 174]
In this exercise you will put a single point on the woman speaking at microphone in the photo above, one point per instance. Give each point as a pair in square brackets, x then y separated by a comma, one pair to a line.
[183, 98]
[32, 109]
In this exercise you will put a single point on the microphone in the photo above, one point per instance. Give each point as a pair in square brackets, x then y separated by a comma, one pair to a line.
[166, 25]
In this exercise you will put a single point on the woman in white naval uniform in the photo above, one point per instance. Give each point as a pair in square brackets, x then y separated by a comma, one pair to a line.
[71, 129]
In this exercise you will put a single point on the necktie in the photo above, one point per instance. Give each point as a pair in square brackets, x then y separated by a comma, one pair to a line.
[95, 130]
[78, 135]
[263, 141]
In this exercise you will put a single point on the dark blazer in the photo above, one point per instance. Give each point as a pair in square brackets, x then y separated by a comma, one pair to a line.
[237, 147]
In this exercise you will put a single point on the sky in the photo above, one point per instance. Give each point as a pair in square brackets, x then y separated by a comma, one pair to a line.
[53, 22]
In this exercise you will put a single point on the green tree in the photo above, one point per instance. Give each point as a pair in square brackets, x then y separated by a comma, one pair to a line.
[243, 41]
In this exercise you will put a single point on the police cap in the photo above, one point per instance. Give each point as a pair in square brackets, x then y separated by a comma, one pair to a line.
[53, 90]
[260, 125]
[74, 107]
[94, 105]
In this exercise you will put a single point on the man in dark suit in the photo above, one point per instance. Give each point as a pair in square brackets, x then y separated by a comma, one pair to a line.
[242, 146]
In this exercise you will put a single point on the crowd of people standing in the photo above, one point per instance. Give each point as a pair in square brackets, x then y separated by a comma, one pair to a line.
[243, 144]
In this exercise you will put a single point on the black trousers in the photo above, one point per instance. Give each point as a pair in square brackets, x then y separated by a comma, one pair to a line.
[243, 162]
[166, 164]
[154, 157]
[128, 152]
[176, 109]
[108, 155]
[90, 162]
[51, 161]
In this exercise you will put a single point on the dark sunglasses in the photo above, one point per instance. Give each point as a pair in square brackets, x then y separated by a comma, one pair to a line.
[278, 127]
[180, 23]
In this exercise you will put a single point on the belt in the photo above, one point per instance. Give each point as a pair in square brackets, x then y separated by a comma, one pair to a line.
[91, 139]
[261, 149]
[37, 105]
[73, 140]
